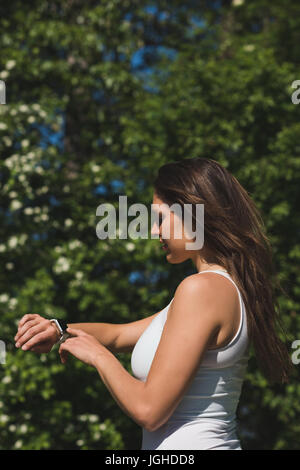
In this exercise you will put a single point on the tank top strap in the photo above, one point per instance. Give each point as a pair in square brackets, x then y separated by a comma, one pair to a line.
[220, 271]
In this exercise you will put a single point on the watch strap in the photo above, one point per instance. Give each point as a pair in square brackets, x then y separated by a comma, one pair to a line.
[62, 327]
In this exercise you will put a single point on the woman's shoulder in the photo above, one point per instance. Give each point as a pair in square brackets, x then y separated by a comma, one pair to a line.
[210, 290]
[204, 280]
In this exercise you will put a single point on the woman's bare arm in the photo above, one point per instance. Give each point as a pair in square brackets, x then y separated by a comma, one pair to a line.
[37, 334]
[117, 337]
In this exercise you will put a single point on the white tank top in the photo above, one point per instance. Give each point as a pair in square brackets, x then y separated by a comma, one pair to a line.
[206, 415]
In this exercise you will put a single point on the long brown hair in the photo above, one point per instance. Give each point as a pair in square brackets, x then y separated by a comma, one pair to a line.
[235, 238]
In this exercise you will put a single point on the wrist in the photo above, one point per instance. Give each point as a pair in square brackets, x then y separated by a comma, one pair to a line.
[56, 330]
[99, 357]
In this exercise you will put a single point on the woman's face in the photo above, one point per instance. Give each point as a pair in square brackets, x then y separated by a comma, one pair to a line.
[169, 225]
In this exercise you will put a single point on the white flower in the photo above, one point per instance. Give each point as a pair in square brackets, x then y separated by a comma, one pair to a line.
[68, 222]
[2, 248]
[3, 126]
[62, 265]
[130, 246]
[95, 168]
[6, 379]
[15, 205]
[25, 143]
[12, 303]
[93, 418]
[44, 217]
[27, 168]
[18, 444]
[7, 141]
[4, 418]
[237, 3]
[21, 178]
[82, 418]
[4, 74]
[80, 442]
[12, 242]
[23, 428]
[31, 119]
[74, 244]
[23, 108]
[9, 266]
[4, 298]
[10, 64]
[12, 428]
[79, 275]
[28, 211]
[36, 107]
[102, 426]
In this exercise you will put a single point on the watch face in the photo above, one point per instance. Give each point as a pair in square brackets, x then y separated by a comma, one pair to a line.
[63, 324]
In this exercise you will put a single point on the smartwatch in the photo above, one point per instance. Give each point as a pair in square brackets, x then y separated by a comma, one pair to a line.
[62, 328]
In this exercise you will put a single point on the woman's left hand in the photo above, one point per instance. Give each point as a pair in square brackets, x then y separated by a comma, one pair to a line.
[83, 346]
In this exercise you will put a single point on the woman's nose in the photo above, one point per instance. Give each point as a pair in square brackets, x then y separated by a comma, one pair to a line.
[155, 231]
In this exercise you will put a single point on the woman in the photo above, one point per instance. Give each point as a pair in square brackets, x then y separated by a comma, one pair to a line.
[189, 359]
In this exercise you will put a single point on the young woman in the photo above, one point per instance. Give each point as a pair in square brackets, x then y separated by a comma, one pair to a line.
[189, 360]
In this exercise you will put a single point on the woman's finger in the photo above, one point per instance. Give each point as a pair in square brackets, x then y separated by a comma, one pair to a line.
[75, 332]
[63, 352]
[24, 327]
[30, 333]
[25, 318]
[28, 325]
[35, 340]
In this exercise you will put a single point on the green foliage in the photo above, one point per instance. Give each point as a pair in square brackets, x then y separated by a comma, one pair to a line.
[80, 114]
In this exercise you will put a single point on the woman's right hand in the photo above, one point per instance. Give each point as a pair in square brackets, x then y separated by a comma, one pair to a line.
[36, 334]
